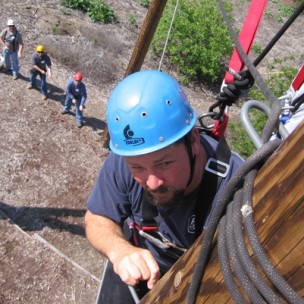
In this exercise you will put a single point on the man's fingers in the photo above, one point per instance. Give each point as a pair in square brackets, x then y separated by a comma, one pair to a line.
[139, 267]
[154, 274]
[128, 278]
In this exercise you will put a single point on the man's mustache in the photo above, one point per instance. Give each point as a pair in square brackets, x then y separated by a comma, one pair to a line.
[161, 189]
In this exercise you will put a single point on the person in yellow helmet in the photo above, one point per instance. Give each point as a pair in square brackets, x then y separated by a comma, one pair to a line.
[42, 66]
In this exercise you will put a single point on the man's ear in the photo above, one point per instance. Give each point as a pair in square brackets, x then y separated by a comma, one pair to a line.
[195, 141]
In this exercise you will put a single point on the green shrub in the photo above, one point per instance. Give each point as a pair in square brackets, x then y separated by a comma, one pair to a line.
[96, 9]
[144, 3]
[199, 39]
[82, 5]
[99, 11]
[132, 20]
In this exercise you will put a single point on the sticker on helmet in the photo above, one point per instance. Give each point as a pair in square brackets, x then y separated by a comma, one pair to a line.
[128, 134]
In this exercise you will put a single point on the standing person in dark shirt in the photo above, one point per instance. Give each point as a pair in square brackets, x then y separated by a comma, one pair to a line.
[159, 164]
[12, 43]
[42, 66]
[76, 94]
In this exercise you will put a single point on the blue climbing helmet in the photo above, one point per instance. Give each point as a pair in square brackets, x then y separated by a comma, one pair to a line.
[147, 111]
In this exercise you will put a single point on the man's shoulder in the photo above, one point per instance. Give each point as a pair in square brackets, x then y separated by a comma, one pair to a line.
[115, 160]
[18, 34]
[3, 33]
[83, 85]
[46, 56]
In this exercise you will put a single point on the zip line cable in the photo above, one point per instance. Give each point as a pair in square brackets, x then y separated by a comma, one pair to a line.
[168, 35]
[279, 34]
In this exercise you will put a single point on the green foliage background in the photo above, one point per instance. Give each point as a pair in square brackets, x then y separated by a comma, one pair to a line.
[199, 39]
[98, 10]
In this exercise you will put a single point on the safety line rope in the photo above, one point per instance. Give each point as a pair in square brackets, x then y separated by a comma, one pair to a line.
[168, 35]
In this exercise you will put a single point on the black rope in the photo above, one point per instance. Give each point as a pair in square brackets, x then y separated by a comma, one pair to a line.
[245, 199]
[262, 258]
[225, 266]
[268, 294]
[227, 232]
[234, 183]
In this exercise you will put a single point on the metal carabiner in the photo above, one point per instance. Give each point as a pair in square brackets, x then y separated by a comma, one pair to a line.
[207, 116]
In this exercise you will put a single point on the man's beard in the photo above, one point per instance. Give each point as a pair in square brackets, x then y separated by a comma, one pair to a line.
[177, 197]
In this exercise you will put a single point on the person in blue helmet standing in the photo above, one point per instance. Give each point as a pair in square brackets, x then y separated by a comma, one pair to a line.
[76, 94]
[156, 190]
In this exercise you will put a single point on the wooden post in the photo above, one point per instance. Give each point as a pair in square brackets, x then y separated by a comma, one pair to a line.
[146, 35]
[141, 47]
[278, 203]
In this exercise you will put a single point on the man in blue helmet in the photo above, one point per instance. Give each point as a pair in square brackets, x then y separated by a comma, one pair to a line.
[157, 187]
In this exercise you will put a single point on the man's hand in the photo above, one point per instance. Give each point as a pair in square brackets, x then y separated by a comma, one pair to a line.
[73, 101]
[131, 263]
[136, 264]
[80, 108]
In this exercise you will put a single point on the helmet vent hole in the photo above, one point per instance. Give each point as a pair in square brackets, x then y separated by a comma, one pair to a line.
[117, 119]
[144, 114]
[161, 139]
[168, 102]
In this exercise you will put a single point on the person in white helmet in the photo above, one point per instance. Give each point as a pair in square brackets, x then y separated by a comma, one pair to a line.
[157, 183]
[11, 40]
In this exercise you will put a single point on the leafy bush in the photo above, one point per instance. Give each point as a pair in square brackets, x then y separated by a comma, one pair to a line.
[81, 5]
[199, 39]
[99, 11]
[144, 3]
[96, 9]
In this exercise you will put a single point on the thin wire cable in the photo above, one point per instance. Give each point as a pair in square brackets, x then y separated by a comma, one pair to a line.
[169, 32]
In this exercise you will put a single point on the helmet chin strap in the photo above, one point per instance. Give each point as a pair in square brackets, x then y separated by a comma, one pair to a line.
[192, 158]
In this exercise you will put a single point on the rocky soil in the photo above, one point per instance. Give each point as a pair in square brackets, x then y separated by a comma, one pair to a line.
[48, 165]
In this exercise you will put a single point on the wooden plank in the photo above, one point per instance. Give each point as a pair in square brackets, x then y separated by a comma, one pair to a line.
[278, 211]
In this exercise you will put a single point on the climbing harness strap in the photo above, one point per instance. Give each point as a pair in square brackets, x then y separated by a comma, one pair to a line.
[299, 79]
[246, 36]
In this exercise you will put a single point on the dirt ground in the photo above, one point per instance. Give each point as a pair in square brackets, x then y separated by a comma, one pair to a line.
[48, 165]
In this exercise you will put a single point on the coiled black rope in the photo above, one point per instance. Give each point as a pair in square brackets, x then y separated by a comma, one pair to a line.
[235, 182]
[232, 232]
[268, 294]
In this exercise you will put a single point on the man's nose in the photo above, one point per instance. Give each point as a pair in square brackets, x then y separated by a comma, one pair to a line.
[153, 181]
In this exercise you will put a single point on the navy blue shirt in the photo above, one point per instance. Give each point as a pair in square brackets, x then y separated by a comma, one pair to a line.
[117, 196]
[76, 91]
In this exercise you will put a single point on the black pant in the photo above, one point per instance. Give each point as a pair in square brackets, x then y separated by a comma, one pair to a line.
[114, 291]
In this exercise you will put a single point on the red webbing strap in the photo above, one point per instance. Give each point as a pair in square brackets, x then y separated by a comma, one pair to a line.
[220, 127]
[299, 79]
[246, 36]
